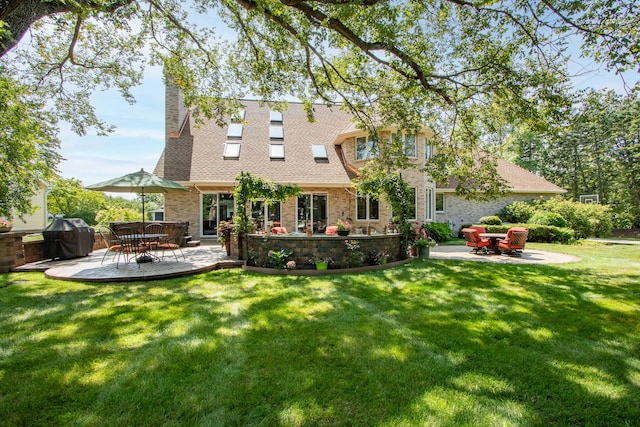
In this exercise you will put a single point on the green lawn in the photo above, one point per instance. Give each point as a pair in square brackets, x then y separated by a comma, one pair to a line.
[441, 343]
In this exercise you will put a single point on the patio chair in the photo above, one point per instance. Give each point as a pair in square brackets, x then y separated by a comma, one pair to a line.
[132, 246]
[112, 242]
[480, 228]
[153, 228]
[472, 236]
[173, 241]
[330, 230]
[514, 243]
[278, 230]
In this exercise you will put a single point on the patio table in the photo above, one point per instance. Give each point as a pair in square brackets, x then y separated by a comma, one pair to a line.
[146, 255]
[494, 237]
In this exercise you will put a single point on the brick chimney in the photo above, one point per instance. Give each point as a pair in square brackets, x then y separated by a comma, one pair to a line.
[175, 112]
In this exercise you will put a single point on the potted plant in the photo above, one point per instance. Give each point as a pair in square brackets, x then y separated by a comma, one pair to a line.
[423, 246]
[321, 263]
[5, 225]
[224, 235]
[344, 227]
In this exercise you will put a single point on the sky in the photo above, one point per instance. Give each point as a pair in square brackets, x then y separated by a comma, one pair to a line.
[138, 140]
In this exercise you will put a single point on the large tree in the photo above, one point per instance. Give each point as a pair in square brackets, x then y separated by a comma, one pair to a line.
[464, 67]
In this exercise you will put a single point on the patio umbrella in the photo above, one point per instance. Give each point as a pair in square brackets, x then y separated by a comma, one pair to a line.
[138, 182]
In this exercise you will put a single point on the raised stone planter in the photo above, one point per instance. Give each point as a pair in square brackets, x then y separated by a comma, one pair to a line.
[321, 246]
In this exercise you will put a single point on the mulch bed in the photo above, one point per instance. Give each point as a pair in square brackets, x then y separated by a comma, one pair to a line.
[626, 232]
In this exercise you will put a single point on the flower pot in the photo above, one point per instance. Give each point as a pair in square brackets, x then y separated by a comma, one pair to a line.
[321, 265]
[5, 229]
[414, 251]
[383, 261]
[343, 232]
[423, 252]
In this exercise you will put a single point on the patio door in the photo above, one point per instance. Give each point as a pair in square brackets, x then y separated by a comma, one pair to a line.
[216, 207]
[312, 211]
[265, 215]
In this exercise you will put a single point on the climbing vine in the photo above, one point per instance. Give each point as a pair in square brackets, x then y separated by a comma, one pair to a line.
[395, 190]
[250, 188]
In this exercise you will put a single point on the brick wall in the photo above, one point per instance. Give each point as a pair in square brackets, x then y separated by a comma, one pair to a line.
[459, 211]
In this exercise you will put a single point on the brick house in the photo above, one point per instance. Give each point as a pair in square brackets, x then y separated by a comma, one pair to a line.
[321, 157]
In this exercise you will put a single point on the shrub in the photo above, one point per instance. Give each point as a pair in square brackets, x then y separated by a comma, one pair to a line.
[548, 218]
[585, 219]
[438, 231]
[538, 233]
[518, 212]
[491, 220]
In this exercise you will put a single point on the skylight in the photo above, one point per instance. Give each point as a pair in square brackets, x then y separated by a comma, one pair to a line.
[275, 116]
[276, 151]
[238, 117]
[276, 132]
[231, 150]
[235, 130]
[319, 152]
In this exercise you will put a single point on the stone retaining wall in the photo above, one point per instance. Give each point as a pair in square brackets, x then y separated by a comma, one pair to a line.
[11, 251]
[321, 246]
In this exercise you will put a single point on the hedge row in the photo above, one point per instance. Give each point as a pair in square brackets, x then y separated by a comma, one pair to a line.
[537, 233]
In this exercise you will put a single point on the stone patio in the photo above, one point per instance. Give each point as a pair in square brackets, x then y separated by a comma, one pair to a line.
[210, 256]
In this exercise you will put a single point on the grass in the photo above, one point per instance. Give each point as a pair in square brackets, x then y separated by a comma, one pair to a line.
[441, 343]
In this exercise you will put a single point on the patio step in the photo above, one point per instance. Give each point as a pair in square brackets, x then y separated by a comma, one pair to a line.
[193, 243]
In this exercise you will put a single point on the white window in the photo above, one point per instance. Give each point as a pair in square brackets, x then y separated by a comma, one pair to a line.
[231, 150]
[408, 144]
[276, 132]
[413, 200]
[275, 117]
[428, 151]
[429, 204]
[366, 148]
[440, 202]
[319, 152]
[368, 209]
[235, 130]
[276, 151]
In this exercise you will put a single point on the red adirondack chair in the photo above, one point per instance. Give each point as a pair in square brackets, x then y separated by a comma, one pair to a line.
[472, 236]
[514, 243]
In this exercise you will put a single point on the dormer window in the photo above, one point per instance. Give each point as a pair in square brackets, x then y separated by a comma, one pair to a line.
[231, 150]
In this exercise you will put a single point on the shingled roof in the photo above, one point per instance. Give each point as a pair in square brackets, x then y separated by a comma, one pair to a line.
[518, 180]
[196, 155]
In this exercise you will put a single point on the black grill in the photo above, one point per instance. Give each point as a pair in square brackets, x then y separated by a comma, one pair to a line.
[67, 238]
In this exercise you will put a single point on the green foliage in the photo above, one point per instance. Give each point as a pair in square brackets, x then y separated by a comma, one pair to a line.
[548, 218]
[251, 187]
[67, 197]
[28, 144]
[518, 212]
[460, 73]
[438, 231]
[355, 256]
[538, 233]
[279, 259]
[106, 216]
[585, 219]
[491, 220]
[374, 180]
